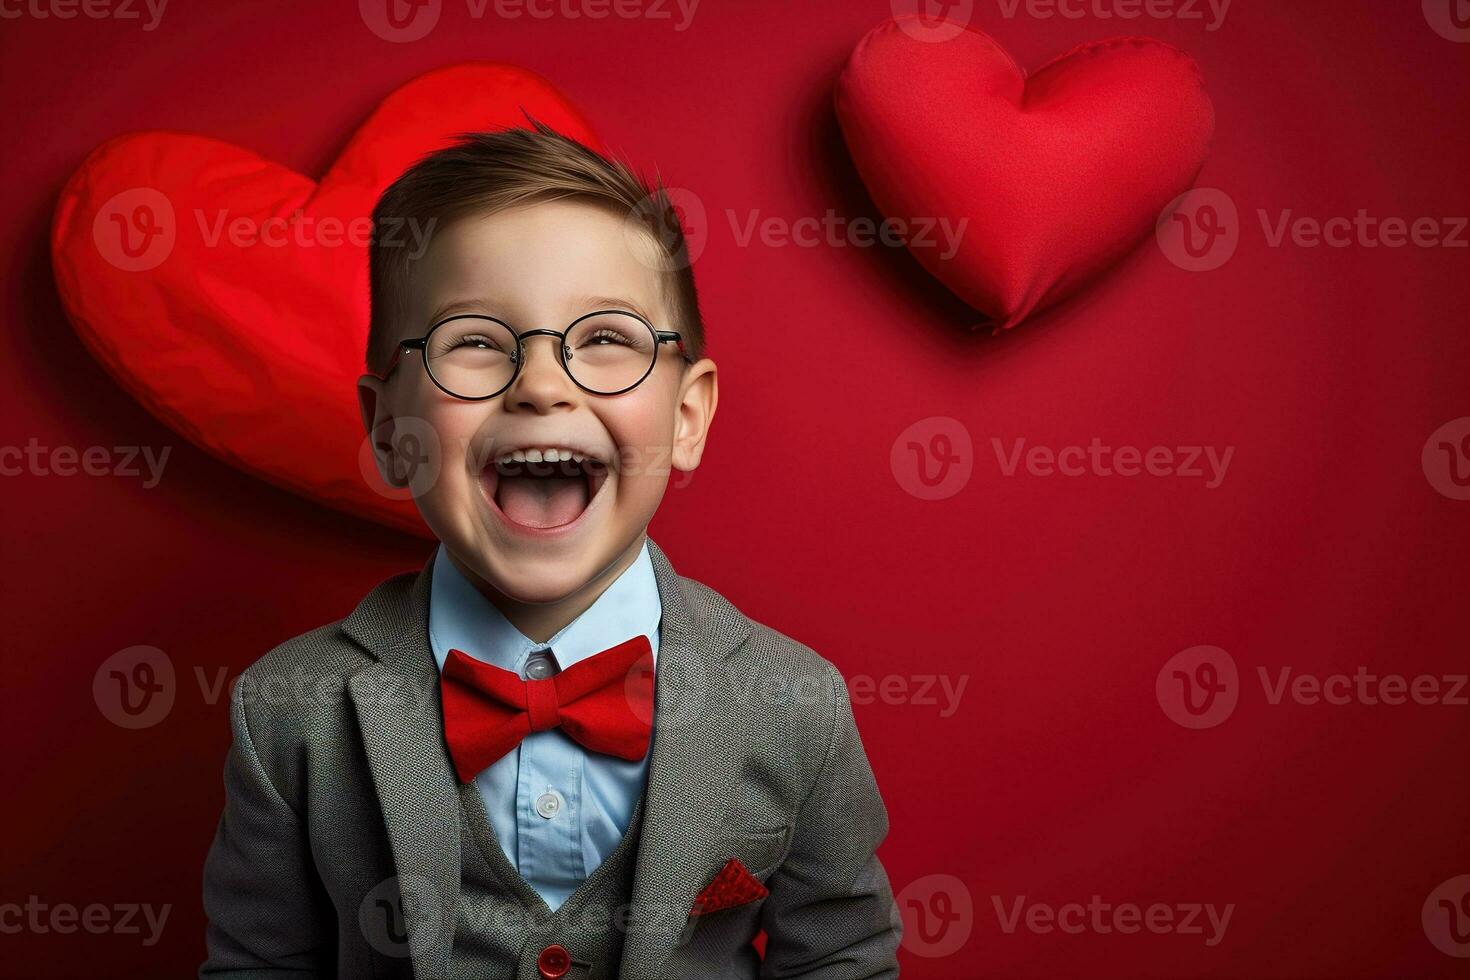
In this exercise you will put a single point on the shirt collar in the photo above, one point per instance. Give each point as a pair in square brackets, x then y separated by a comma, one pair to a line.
[460, 617]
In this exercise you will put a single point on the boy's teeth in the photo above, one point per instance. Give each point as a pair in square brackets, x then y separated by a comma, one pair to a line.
[546, 455]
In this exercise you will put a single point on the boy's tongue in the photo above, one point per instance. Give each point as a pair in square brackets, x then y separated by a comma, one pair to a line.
[542, 501]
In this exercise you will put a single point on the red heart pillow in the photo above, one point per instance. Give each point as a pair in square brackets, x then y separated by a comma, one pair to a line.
[229, 294]
[1044, 182]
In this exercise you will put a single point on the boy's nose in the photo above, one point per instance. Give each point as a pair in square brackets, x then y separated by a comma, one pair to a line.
[541, 381]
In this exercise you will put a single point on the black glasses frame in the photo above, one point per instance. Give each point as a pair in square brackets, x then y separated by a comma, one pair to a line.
[421, 344]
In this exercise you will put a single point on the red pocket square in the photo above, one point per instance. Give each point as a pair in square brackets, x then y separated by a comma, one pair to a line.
[733, 886]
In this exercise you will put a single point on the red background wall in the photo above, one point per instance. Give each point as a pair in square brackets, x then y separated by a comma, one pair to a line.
[1057, 600]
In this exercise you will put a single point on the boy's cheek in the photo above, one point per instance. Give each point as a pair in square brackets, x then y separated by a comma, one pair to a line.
[436, 461]
[454, 440]
[650, 460]
[642, 487]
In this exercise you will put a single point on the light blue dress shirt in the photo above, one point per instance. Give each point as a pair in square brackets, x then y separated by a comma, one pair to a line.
[557, 809]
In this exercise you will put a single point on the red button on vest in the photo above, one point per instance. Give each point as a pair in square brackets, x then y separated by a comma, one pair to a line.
[554, 962]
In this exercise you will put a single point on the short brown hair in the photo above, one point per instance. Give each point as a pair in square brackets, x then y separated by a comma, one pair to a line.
[493, 171]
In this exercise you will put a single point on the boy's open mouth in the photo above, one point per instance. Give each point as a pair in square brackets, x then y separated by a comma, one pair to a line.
[544, 488]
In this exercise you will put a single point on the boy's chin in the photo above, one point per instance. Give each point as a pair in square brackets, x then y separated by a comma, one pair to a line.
[539, 572]
[540, 580]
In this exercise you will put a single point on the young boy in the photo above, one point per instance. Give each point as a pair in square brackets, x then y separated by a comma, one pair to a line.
[547, 754]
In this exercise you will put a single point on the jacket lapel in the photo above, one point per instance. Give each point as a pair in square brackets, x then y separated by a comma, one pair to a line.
[692, 778]
[694, 770]
[399, 714]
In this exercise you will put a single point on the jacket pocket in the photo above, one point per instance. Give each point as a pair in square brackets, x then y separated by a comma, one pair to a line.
[759, 850]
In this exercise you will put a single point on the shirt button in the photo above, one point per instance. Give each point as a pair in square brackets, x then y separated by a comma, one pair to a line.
[549, 804]
[554, 962]
[540, 665]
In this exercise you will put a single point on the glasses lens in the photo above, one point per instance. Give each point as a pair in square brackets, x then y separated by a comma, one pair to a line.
[471, 356]
[610, 351]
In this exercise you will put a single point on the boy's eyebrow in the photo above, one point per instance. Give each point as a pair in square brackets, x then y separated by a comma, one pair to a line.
[593, 303]
[590, 304]
[462, 306]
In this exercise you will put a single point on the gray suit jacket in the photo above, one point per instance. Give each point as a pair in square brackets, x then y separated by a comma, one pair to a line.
[338, 792]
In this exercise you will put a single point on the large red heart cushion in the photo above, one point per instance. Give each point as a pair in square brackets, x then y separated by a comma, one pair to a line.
[1047, 180]
[229, 294]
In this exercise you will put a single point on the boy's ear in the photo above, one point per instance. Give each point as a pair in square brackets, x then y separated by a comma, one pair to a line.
[378, 422]
[699, 393]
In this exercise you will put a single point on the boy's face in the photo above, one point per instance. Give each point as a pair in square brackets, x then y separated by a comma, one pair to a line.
[538, 539]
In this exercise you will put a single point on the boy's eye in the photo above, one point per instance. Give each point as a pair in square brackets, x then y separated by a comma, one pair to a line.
[474, 340]
[605, 336]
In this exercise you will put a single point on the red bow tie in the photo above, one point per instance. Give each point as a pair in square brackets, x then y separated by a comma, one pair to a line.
[604, 703]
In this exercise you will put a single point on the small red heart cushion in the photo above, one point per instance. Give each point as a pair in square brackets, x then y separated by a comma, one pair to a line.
[1044, 182]
[229, 294]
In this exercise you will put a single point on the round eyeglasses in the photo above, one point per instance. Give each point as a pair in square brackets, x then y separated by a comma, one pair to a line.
[473, 356]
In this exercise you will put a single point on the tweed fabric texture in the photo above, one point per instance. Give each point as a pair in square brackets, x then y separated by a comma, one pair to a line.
[339, 851]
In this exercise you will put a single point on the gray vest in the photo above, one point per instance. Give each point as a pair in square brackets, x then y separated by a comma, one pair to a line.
[502, 925]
